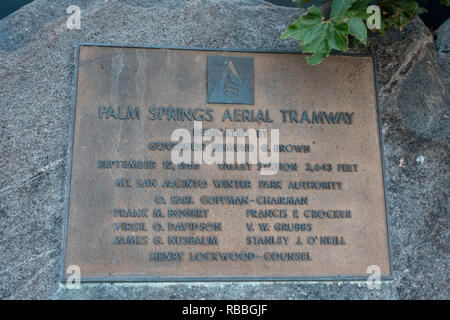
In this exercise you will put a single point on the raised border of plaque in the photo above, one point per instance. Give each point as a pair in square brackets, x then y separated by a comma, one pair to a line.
[363, 277]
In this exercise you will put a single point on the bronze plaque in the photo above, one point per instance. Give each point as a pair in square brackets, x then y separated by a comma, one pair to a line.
[136, 214]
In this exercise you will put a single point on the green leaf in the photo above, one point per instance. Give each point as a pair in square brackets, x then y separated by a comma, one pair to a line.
[319, 37]
[317, 44]
[359, 8]
[300, 3]
[411, 6]
[321, 52]
[339, 6]
[338, 36]
[358, 29]
[326, 36]
[360, 5]
[421, 10]
[303, 25]
[398, 13]
[383, 27]
[313, 14]
[292, 32]
[403, 19]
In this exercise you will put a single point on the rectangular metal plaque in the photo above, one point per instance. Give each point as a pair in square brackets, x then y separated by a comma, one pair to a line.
[136, 213]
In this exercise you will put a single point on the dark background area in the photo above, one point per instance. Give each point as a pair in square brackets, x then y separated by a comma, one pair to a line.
[435, 16]
[9, 6]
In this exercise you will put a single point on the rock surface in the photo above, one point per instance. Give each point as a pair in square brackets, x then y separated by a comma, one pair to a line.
[36, 73]
[443, 58]
[443, 38]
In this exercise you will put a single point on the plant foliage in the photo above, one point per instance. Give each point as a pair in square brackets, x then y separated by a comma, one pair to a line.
[318, 35]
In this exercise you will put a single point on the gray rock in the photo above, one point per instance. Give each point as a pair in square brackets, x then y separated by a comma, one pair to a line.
[443, 38]
[407, 61]
[443, 58]
[36, 73]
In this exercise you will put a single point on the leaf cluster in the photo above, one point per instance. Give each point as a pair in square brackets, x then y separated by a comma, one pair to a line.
[318, 35]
